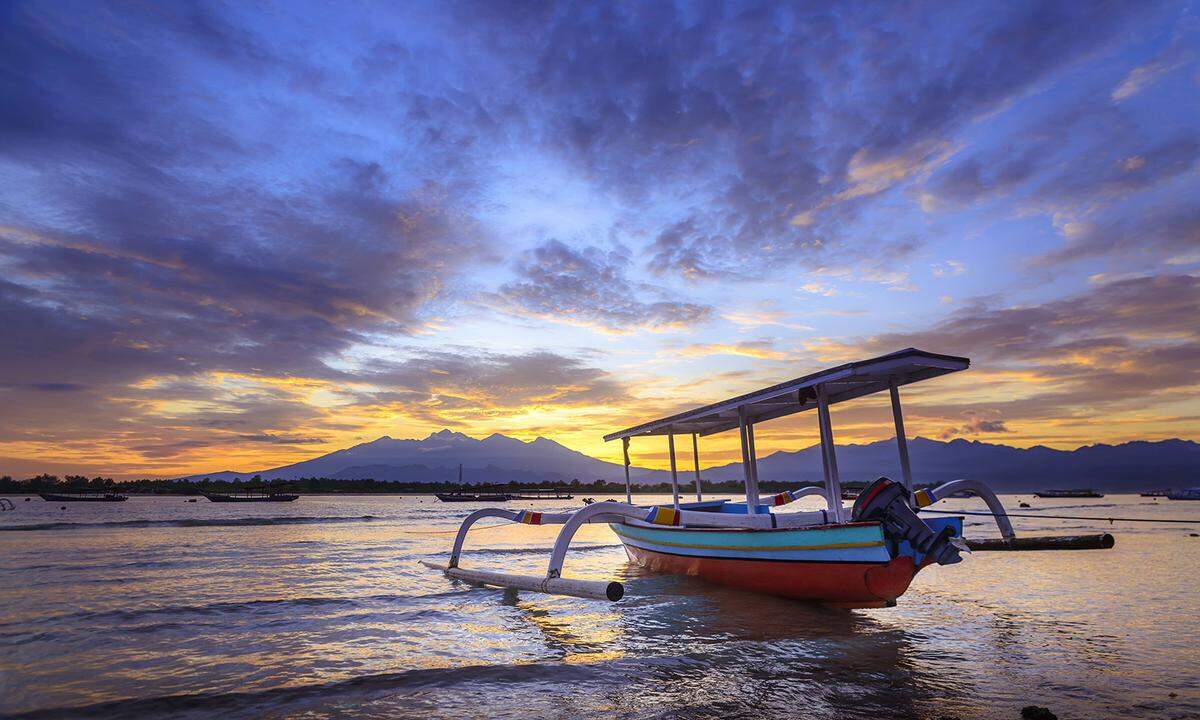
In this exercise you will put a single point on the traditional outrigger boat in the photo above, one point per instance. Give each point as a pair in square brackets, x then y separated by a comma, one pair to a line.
[865, 555]
[1077, 493]
[257, 493]
[84, 496]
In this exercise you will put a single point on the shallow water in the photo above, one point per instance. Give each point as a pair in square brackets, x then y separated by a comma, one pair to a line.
[162, 608]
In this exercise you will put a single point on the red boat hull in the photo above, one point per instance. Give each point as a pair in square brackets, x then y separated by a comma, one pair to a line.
[840, 584]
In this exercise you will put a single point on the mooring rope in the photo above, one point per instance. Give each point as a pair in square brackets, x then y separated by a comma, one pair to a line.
[1065, 517]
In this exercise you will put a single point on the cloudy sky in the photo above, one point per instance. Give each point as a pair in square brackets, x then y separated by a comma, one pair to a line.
[235, 236]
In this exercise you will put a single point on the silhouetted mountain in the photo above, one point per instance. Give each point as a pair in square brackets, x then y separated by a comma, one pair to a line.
[1128, 466]
[497, 458]
[436, 459]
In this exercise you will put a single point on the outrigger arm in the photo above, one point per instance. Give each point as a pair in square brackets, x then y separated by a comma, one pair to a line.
[607, 511]
[925, 498]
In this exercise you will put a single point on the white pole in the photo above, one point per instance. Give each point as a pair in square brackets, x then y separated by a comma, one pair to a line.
[824, 456]
[901, 439]
[833, 485]
[753, 461]
[696, 464]
[628, 487]
[594, 589]
[751, 495]
[674, 474]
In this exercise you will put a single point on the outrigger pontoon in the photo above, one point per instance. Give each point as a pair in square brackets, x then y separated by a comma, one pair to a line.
[864, 555]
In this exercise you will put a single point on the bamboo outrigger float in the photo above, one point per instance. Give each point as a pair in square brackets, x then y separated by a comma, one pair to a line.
[864, 555]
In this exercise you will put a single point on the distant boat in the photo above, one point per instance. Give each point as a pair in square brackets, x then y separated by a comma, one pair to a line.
[458, 496]
[531, 494]
[84, 497]
[252, 494]
[542, 494]
[849, 494]
[1081, 493]
[1155, 493]
[1190, 494]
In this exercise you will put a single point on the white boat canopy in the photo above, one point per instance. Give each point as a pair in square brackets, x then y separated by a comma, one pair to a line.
[844, 382]
[816, 391]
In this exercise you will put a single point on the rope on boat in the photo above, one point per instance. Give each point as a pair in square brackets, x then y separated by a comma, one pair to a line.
[1195, 521]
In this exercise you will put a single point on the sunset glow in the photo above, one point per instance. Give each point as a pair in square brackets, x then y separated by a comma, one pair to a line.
[229, 241]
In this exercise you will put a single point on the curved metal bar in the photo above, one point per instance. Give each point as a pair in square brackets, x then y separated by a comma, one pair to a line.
[978, 488]
[471, 520]
[468, 521]
[580, 517]
[795, 494]
[610, 511]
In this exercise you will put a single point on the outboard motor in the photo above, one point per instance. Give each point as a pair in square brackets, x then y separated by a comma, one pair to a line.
[886, 502]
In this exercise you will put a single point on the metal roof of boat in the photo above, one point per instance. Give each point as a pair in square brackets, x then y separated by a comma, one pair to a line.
[844, 382]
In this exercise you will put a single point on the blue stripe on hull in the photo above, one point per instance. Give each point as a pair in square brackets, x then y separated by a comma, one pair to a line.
[842, 543]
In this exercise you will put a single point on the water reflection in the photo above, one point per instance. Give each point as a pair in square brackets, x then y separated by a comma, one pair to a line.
[324, 619]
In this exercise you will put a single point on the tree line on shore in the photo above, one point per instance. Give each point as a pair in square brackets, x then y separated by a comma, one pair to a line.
[53, 483]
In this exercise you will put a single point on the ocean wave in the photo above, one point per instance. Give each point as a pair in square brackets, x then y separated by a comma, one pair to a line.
[192, 522]
[271, 701]
[123, 616]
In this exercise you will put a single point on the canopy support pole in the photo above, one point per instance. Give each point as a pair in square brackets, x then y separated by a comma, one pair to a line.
[833, 485]
[696, 464]
[751, 492]
[674, 474]
[901, 439]
[753, 458]
[628, 487]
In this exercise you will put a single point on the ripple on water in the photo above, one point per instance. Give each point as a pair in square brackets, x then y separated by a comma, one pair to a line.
[166, 609]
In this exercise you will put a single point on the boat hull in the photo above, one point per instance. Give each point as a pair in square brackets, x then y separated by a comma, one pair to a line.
[844, 565]
[279, 497]
[451, 497]
[53, 497]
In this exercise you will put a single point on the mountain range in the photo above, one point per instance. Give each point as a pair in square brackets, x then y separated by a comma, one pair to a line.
[501, 459]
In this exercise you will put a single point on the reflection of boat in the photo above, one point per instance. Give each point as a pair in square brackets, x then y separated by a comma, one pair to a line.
[1191, 494]
[252, 494]
[1080, 493]
[860, 556]
[84, 496]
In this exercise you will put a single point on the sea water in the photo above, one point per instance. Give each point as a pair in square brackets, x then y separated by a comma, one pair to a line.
[159, 607]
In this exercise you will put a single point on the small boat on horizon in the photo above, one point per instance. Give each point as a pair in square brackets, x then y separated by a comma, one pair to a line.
[1189, 494]
[1078, 493]
[460, 496]
[83, 496]
[252, 494]
[541, 494]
